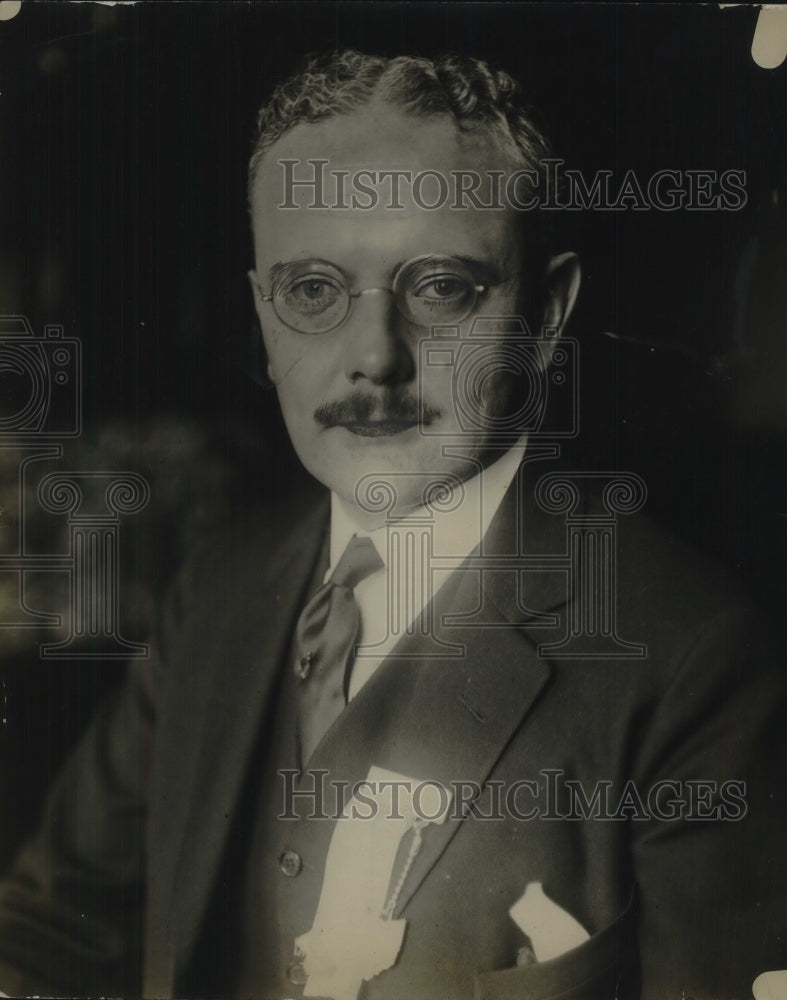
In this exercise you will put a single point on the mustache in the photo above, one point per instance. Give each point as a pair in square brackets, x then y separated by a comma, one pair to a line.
[391, 405]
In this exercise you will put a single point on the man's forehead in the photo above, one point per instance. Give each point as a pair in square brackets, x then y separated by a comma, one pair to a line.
[391, 130]
[413, 162]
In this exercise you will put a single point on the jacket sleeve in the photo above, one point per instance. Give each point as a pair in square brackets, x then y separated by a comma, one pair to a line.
[71, 906]
[712, 869]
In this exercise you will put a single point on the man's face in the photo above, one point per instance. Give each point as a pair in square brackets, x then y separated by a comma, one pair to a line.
[359, 399]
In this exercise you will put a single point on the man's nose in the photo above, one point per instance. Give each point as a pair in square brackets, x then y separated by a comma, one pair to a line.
[376, 341]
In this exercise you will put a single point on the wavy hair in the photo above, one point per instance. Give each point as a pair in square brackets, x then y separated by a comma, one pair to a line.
[467, 89]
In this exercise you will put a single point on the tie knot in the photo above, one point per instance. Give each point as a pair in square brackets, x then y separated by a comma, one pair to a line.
[359, 560]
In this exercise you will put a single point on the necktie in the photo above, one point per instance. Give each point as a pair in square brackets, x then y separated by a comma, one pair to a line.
[325, 635]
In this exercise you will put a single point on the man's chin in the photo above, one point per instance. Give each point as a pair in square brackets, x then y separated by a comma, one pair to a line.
[376, 449]
[384, 474]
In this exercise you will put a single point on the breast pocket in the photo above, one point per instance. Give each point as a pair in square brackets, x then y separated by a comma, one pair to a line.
[605, 967]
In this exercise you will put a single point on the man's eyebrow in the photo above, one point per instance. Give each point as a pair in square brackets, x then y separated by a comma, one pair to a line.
[279, 266]
[484, 269]
[274, 269]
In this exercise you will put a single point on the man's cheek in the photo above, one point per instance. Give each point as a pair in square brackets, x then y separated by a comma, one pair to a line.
[287, 354]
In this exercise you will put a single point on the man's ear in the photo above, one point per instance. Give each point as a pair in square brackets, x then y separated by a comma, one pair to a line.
[256, 293]
[562, 277]
[261, 358]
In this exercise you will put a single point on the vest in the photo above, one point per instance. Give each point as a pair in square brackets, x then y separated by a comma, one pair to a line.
[277, 858]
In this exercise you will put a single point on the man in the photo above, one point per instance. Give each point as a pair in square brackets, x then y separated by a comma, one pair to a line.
[585, 798]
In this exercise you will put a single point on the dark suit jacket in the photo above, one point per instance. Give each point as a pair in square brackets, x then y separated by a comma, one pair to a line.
[139, 820]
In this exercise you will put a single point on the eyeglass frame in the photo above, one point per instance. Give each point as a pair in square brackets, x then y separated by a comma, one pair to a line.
[478, 290]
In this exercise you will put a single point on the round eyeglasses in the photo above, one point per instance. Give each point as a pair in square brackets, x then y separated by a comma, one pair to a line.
[312, 296]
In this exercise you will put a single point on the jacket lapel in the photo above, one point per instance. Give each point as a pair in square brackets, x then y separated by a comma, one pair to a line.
[461, 718]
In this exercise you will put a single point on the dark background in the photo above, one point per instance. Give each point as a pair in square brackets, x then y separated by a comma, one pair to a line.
[124, 137]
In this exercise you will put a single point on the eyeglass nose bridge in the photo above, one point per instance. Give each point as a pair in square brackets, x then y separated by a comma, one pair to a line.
[399, 300]
[369, 291]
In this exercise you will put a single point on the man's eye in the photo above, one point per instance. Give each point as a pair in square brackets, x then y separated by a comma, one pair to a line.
[444, 286]
[312, 295]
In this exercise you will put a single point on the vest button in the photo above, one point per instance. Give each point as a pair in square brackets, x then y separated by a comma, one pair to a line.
[290, 863]
[297, 974]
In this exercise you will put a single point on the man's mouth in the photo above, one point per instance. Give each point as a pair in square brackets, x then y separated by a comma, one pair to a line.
[377, 428]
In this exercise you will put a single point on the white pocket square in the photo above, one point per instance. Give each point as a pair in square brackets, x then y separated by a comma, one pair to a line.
[551, 930]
